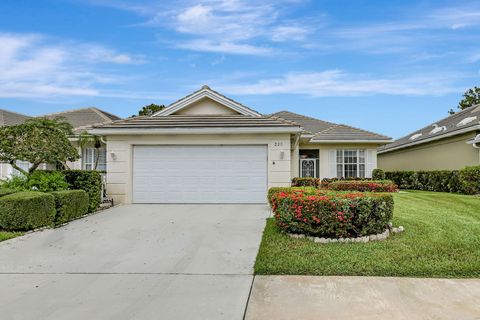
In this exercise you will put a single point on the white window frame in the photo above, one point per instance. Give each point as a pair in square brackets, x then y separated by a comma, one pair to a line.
[89, 159]
[359, 163]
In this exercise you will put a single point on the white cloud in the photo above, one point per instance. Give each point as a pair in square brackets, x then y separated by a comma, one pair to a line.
[34, 67]
[287, 33]
[223, 47]
[332, 83]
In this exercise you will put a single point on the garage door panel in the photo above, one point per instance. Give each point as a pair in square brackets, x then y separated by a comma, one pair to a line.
[200, 174]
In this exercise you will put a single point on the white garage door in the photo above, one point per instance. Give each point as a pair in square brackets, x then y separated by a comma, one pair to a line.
[199, 174]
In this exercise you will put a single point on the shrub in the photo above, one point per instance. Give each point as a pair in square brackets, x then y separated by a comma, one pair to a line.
[6, 192]
[89, 181]
[378, 174]
[47, 181]
[43, 181]
[437, 180]
[364, 186]
[70, 204]
[26, 210]
[326, 181]
[275, 190]
[470, 179]
[332, 215]
[306, 182]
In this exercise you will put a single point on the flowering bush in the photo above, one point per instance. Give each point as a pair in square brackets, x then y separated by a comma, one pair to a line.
[327, 214]
[326, 181]
[306, 182]
[273, 190]
[364, 186]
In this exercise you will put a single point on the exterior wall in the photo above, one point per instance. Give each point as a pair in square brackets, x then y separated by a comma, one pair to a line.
[5, 171]
[120, 156]
[76, 165]
[327, 154]
[206, 107]
[450, 153]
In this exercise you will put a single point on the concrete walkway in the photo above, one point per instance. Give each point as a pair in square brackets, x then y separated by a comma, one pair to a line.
[135, 262]
[346, 298]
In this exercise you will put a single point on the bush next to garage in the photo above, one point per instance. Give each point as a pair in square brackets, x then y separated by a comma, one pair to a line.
[70, 204]
[437, 180]
[330, 215]
[26, 210]
[90, 182]
[306, 182]
[274, 190]
[363, 186]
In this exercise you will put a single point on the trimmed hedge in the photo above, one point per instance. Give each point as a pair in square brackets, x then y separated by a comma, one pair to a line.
[26, 210]
[438, 180]
[326, 181]
[6, 192]
[378, 174]
[70, 204]
[364, 186]
[274, 190]
[306, 182]
[470, 179]
[331, 215]
[89, 181]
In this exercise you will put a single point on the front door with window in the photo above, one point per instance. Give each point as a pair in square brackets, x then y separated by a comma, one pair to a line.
[309, 163]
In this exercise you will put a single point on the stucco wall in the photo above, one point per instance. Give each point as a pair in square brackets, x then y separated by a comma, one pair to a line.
[206, 107]
[120, 174]
[328, 160]
[450, 153]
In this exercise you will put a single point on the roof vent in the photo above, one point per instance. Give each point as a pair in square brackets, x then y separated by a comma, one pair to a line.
[415, 136]
[466, 121]
[437, 129]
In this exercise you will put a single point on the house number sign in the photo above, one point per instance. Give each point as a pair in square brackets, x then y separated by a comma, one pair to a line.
[278, 143]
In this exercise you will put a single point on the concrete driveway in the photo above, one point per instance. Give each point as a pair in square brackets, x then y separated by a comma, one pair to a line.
[136, 262]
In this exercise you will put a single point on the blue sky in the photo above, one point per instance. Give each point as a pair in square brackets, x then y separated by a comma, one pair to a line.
[386, 66]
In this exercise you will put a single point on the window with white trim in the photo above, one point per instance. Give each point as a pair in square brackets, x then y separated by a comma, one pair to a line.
[90, 156]
[350, 163]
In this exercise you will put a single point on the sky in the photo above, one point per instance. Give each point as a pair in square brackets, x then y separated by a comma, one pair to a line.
[391, 67]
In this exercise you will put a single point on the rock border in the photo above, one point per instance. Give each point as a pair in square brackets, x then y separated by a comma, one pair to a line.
[374, 237]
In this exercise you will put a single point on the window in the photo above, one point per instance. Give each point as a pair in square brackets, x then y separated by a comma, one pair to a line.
[350, 163]
[90, 156]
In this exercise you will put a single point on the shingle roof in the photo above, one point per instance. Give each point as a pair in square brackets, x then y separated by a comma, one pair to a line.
[468, 119]
[8, 118]
[207, 121]
[81, 119]
[328, 131]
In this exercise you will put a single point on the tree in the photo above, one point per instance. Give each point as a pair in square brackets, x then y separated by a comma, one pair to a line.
[37, 141]
[85, 139]
[150, 109]
[470, 98]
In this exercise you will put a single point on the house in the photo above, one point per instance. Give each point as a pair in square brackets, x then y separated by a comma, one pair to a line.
[450, 143]
[208, 148]
[80, 119]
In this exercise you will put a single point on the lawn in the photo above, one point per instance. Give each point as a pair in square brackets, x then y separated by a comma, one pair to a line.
[5, 235]
[441, 239]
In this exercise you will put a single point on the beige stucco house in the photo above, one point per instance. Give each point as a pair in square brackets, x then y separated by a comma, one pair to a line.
[80, 119]
[208, 148]
[450, 143]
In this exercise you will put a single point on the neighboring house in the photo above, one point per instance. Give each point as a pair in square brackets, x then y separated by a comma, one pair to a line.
[207, 148]
[80, 119]
[8, 118]
[450, 143]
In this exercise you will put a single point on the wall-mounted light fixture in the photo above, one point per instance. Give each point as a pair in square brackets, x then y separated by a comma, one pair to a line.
[282, 155]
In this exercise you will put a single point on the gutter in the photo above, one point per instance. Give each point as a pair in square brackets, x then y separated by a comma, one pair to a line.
[149, 131]
[350, 141]
[445, 135]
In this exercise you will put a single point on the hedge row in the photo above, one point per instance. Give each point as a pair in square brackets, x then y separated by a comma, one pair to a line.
[325, 214]
[28, 210]
[364, 186]
[465, 181]
[274, 190]
[306, 182]
[90, 182]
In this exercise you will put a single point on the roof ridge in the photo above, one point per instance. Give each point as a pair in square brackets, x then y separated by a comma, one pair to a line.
[101, 113]
[66, 111]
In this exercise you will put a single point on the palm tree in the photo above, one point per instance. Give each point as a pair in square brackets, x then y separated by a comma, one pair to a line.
[85, 139]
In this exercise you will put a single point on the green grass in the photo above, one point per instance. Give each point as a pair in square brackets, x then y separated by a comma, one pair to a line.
[441, 239]
[5, 235]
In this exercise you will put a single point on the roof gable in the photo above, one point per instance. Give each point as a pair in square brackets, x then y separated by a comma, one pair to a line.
[206, 93]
